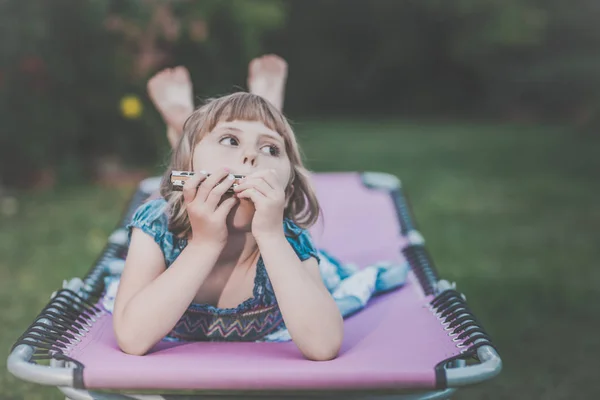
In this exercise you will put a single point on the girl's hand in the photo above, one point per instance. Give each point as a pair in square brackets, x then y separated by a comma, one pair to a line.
[268, 195]
[205, 210]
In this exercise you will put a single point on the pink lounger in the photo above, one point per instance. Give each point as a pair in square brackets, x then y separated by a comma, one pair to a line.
[420, 341]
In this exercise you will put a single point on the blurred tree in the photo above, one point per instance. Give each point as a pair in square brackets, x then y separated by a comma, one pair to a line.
[73, 72]
[530, 58]
[70, 65]
[51, 95]
[152, 27]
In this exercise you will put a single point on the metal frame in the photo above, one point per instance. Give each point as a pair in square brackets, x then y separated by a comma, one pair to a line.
[452, 373]
[76, 394]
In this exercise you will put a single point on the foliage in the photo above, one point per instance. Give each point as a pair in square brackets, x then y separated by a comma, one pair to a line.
[73, 72]
[529, 58]
[66, 73]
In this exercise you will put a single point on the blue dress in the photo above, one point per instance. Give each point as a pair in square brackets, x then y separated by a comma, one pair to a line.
[251, 320]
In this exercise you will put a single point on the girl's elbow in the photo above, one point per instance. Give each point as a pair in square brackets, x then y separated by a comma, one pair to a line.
[132, 347]
[323, 352]
[327, 348]
[130, 342]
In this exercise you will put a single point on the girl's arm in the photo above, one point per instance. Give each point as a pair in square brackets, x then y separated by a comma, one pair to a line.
[309, 311]
[151, 299]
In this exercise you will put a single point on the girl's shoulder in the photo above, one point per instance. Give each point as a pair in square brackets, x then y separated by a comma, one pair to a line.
[300, 240]
[151, 217]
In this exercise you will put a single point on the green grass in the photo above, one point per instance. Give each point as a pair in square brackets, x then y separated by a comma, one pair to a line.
[509, 212]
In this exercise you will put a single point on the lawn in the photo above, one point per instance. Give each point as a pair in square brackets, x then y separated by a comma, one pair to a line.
[509, 212]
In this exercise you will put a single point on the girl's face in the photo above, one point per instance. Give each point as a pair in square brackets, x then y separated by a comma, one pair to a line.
[244, 147]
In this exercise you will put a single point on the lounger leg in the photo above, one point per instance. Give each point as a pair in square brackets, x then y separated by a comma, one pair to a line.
[439, 395]
[76, 394]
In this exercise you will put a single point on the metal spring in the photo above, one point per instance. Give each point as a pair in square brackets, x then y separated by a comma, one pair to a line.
[459, 321]
[421, 264]
[68, 315]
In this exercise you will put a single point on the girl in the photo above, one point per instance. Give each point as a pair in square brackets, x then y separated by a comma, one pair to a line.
[204, 264]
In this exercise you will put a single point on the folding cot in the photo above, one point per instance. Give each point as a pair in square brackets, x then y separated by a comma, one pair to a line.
[420, 341]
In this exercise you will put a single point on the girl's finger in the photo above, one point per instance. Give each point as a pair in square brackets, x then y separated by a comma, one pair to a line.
[210, 182]
[269, 175]
[258, 184]
[251, 194]
[190, 187]
[225, 207]
[218, 191]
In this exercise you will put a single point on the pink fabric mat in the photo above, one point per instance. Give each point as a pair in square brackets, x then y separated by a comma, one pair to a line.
[395, 342]
[358, 225]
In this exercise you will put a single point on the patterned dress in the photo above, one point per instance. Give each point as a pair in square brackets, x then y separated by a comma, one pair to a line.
[251, 320]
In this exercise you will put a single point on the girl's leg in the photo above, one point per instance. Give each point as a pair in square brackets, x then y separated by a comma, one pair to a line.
[267, 76]
[173, 136]
[171, 92]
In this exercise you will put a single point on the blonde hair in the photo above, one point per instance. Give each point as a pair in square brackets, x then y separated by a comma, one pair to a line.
[302, 206]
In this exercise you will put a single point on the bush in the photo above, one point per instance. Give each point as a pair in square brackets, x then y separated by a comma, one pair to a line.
[69, 64]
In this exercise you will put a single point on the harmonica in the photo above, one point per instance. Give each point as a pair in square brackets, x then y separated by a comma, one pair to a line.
[178, 179]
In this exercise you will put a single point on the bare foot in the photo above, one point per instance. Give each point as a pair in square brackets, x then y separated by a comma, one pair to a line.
[267, 76]
[173, 136]
[171, 93]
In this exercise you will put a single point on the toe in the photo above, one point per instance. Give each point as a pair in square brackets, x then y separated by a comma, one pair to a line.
[181, 74]
[255, 65]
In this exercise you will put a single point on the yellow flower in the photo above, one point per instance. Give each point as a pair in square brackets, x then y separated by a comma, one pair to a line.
[131, 107]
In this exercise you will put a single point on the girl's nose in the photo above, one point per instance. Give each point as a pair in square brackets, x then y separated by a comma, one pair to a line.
[250, 157]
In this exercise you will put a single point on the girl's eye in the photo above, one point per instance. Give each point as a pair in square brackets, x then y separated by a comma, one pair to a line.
[228, 141]
[271, 150]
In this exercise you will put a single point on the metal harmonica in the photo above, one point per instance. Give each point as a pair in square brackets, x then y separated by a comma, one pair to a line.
[178, 179]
